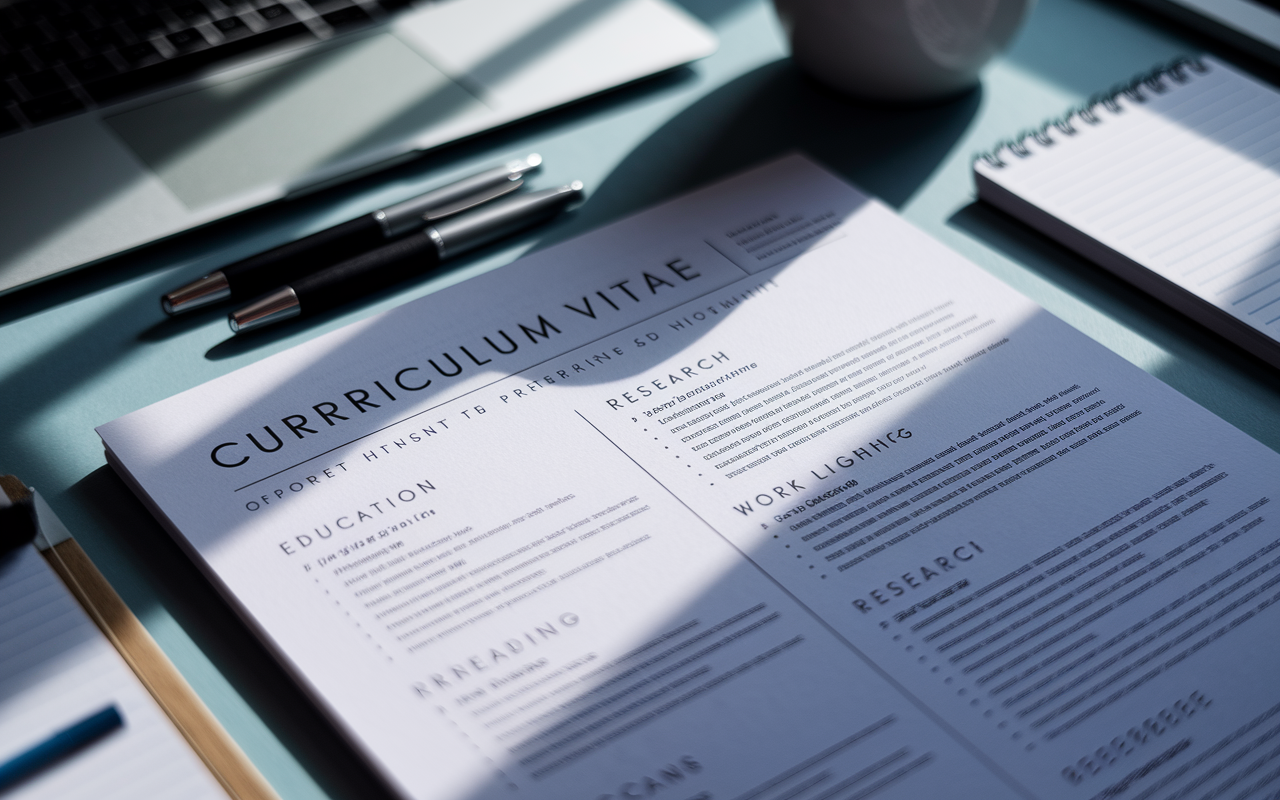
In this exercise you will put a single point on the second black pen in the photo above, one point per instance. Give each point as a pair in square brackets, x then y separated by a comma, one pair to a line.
[414, 255]
[252, 276]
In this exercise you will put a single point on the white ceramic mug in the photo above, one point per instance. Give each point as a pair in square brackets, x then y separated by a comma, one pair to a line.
[898, 49]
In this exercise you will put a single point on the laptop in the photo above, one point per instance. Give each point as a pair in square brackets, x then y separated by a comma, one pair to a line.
[127, 121]
[1251, 25]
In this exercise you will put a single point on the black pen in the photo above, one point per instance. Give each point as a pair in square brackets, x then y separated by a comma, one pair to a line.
[412, 255]
[264, 271]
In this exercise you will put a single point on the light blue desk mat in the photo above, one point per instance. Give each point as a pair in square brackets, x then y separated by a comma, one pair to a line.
[82, 350]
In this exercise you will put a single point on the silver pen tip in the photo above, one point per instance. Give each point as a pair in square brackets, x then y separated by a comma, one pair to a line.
[576, 186]
[212, 288]
[266, 310]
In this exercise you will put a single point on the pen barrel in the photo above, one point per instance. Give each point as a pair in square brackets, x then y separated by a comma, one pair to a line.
[407, 216]
[457, 235]
[265, 271]
[366, 273]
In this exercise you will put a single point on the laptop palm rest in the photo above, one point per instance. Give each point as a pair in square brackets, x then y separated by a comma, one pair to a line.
[89, 186]
[275, 126]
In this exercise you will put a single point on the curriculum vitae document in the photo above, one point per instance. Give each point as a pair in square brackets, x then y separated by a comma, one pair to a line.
[760, 494]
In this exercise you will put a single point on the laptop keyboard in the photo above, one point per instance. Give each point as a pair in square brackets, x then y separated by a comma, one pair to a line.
[59, 57]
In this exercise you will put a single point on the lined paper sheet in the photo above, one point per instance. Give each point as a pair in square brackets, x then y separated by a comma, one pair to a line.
[1185, 184]
[56, 668]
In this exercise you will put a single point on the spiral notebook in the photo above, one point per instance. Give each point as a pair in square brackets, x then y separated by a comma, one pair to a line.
[1172, 182]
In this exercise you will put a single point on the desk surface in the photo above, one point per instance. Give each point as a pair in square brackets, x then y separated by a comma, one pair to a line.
[82, 350]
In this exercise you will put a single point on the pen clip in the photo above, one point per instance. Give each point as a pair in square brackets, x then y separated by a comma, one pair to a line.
[472, 200]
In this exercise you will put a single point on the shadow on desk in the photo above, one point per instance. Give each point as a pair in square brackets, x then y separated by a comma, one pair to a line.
[887, 150]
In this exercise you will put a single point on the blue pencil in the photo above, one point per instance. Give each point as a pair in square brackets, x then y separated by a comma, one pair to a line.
[59, 746]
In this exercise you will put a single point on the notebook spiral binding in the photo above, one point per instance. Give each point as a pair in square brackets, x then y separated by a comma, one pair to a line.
[1138, 90]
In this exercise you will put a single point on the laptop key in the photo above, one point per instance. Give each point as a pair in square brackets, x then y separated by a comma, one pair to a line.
[186, 41]
[109, 11]
[155, 75]
[83, 20]
[100, 40]
[347, 17]
[325, 6]
[92, 68]
[28, 35]
[44, 82]
[25, 36]
[276, 14]
[231, 27]
[12, 64]
[190, 13]
[55, 52]
[10, 20]
[140, 54]
[50, 106]
[63, 18]
[145, 25]
[23, 65]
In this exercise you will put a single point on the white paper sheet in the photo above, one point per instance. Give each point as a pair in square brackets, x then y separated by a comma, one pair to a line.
[803, 505]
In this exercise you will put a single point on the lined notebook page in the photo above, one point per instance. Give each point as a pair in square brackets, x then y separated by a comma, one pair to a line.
[1186, 184]
[56, 668]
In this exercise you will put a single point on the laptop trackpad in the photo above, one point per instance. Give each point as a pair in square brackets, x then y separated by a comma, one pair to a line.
[274, 127]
